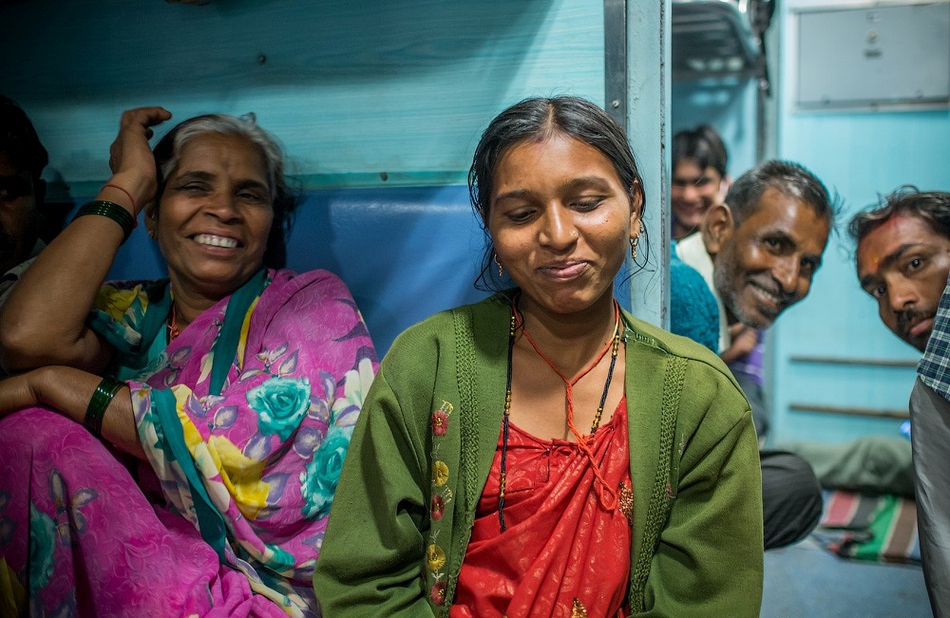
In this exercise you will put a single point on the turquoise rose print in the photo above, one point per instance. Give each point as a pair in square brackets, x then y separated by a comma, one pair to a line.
[318, 481]
[280, 404]
[279, 560]
[42, 544]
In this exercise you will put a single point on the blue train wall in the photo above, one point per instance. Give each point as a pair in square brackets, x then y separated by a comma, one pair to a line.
[380, 105]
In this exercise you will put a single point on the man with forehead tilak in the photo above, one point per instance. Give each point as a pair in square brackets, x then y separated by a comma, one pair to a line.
[903, 261]
[758, 253]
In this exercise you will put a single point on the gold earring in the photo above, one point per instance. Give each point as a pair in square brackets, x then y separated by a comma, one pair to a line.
[501, 269]
[633, 247]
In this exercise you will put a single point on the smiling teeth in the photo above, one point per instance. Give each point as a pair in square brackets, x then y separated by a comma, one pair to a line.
[772, 297]
[216, 241]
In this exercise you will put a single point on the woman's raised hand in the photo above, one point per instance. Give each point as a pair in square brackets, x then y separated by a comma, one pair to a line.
[130, 157]
[43, 321]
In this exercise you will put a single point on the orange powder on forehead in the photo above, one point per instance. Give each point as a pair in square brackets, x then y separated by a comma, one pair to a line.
[895, 232]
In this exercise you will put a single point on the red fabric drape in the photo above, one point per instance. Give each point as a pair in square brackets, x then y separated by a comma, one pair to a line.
[563, 553]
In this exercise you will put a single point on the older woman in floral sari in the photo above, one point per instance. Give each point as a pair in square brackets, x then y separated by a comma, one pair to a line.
[171, 447]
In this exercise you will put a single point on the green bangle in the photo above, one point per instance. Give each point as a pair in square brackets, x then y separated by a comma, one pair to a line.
[111, 210]
[100, 400]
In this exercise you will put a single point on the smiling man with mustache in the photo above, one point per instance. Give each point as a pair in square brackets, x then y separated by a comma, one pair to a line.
[758, 253]
[903, 261]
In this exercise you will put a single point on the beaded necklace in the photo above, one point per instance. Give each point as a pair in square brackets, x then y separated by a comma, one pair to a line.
[613, 346]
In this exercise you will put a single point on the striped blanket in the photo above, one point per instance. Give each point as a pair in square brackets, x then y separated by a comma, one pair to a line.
[872, 528]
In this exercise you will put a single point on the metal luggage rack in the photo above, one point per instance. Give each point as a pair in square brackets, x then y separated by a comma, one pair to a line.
[719, 38]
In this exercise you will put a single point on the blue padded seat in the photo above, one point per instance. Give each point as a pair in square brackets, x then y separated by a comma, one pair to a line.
[404, 252]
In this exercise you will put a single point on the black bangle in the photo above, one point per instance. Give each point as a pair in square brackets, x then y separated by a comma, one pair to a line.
[100, 400]
[111, 210]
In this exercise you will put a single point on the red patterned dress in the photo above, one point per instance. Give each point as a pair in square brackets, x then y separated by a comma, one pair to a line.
[563, 554]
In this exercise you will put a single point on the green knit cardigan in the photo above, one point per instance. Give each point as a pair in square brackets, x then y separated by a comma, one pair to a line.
[423, 446]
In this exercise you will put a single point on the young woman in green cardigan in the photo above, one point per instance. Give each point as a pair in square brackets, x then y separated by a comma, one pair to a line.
[542, 452]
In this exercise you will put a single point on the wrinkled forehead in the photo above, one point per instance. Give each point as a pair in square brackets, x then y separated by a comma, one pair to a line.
[214, 152]
[779, 214]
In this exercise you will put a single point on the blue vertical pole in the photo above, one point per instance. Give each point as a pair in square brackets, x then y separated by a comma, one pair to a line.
[637, 75]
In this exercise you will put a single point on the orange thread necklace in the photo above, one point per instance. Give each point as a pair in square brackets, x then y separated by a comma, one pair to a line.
[517, 323]
[173, 330]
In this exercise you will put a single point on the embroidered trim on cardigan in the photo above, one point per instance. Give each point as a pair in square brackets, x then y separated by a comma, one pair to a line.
[660, 502]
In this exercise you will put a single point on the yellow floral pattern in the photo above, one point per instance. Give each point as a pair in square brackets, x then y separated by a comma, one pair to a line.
[116, 302]
[440, 473]
[241, 475]
[435, 557]
[441, 498]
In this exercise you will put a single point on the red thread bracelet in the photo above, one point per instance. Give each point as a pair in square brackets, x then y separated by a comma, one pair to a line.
[135, 207]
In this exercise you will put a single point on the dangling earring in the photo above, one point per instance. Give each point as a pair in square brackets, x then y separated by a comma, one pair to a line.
[633, 247]
[501, 269]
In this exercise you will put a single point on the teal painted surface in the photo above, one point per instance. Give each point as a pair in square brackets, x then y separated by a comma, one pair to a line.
[861, 155]
[805, 384]
[361, 94]
[356, 90]
[799, 426]
[648, 120]
[726, 104]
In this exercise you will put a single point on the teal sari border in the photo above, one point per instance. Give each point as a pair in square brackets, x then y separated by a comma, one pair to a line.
[156, 312]
[210, 521]
[225, 346]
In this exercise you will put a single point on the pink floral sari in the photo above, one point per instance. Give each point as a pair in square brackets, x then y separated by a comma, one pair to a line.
[227, 516]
